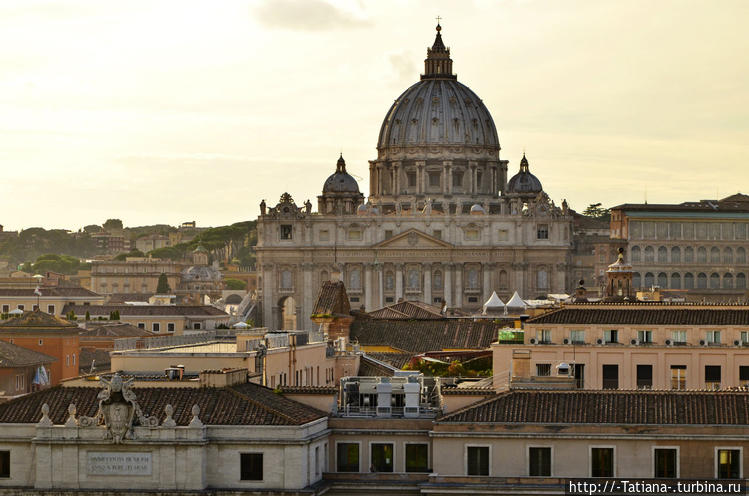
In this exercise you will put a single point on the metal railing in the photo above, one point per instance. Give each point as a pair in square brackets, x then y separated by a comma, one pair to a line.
[151, 343]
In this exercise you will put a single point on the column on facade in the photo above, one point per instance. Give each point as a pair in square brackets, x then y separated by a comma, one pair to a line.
[269, 295]
[488, 269]
[458, 302]
[447, 270]
[449, 180]
[368, 287]
[397, 178]
[309, 292]
[380, 284]
[427, 270]
[472, 175]
[398, 281]
[420, 179]
[379, 179]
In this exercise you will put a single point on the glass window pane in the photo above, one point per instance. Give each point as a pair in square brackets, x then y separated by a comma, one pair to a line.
[602, 462]
[539, 462]
[382, 457]
[417, 458]
[347, 457]
[478, 460]
[665, 462]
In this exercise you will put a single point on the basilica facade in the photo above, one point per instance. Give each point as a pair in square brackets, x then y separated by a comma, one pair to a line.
[442, 224]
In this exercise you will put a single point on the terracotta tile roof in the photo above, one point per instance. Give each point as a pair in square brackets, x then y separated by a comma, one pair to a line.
[645, 315]
[36, 320]
[14, 356]
[309, 390]
[609, 407]
[123, 297]
[419, 336]
[374, 368]
[102, 363]
[62, 292]
[146, 310]
[117, 330]
[734, 203]
[397, 360]
[409, 310]
[468, 391]
[332, 299]
[246, 404]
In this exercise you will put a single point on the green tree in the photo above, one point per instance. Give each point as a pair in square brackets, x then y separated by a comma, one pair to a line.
[112, 225]
[88, 316]
[235, 284]
[595, 210]
[132, 253]
[163, 286]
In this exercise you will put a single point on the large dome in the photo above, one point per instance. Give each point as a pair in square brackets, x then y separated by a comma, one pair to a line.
[438, 112]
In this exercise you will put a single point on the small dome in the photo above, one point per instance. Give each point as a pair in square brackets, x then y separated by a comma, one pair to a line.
[477, 209]
[362, 209]
[524, 182]
[340, 181]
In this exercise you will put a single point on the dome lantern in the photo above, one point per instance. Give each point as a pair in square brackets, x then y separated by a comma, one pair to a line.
[438, 63]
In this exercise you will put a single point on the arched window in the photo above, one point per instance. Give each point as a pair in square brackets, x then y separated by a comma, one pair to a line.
[473, 278]
[740, 281]
[286, 280]
[688, 254]
[740, 255]
[688, 281]
[727, 256]
[636, 280]
[503, 279]
[636, 254]
[727, 281]
[649, 280]
[649, 254]
[414, 279]
[662, 280]
[714, 281]
[324, 276]
[437, 280]
[715, 255]
[701, 281]
[354, 279]
[662, 254]
[675, 281]
[542, 279]
[675, 254]
[389, 280]
[701, 255]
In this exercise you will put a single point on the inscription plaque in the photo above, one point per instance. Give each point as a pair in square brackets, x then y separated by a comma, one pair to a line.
[118, 463]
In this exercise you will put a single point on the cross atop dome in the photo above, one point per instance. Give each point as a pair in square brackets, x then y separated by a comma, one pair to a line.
[438, 64]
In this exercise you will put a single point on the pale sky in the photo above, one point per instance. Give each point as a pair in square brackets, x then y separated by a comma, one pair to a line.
[167, 111]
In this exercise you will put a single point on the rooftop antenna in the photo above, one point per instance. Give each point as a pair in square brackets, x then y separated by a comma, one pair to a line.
[646, 195]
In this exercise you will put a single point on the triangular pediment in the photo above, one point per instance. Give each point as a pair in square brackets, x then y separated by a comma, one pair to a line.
[413, 238]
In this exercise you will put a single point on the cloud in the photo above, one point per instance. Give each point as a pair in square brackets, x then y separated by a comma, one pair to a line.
[404, 66]
[305, 15]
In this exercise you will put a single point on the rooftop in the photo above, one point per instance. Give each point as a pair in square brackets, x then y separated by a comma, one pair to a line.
[12, 356]
[47, 292]
[147, 310]
[608, 407]
[37, 320]
[657, 314]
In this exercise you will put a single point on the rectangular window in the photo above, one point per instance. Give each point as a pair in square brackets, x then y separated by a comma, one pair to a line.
[744, 338]
[170, 327]
[679, 337]
[713, 337]
[317, 460]
[543, 369]
[196, 326]
[388, 234]
[457, 178]
[744, 375]
[472, 234]
[324, 235]
[611, 377]
[382, 457]
[577, 337]
[644, 376]
[645, 337]
[155, 327]
[354, 235]
[51, 309]
[729, 463]
[678, 377]
[542, 231]
[141, 325]
[437, 233]
[539, 462]
[665, 462]
[286, 231]
[6, 308]
[4, 464]
[21, 307]
[347, 457]
[611, 336]
[434, 179]
[601, 462]
[411, 176]
[579, 373]
[417, 458]
[477, 460]
[544, 336]
[504, 235]
[251, 466]
[712, 376]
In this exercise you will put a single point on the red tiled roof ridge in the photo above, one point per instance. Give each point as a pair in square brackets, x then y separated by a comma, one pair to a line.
[265, 407]
[497, 396]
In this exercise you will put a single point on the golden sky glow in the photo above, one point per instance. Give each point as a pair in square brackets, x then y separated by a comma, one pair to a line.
[162, 112]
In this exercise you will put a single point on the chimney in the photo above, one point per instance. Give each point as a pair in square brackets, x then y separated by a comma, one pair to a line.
[521, 364]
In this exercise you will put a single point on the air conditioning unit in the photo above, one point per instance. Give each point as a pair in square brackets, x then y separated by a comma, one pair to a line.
[736, 342]
[668, 342]
[533, 341]
[703, 342]
[599, 341]
[634, 342]
[566, 341]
